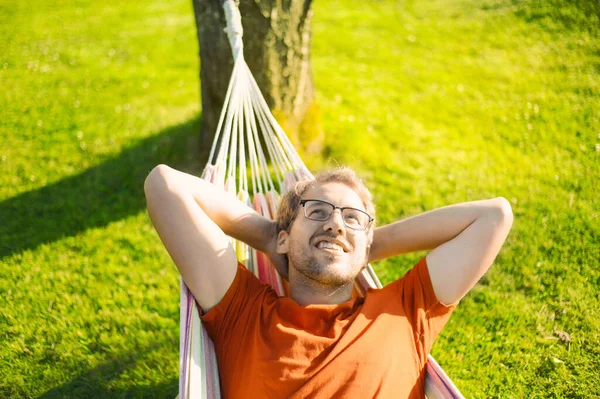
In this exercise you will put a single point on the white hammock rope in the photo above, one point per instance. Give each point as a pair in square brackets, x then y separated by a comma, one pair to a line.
[244, 106]
[232, 83]
[244, 120]
[234, 28]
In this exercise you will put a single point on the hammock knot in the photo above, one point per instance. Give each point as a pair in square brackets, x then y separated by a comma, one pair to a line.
[234, 28]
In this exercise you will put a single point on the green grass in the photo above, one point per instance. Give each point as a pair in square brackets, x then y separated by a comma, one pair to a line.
[433, 102]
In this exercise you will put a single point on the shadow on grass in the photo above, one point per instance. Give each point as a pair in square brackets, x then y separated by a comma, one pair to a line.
[98, 196]
[96, 383]
[574, 15]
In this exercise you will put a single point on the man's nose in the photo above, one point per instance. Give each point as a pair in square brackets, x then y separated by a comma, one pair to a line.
[335, 222]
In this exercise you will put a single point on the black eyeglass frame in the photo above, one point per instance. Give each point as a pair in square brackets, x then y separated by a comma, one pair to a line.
[341, 208]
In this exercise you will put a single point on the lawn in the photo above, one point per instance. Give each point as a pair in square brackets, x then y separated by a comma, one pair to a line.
[434, 102]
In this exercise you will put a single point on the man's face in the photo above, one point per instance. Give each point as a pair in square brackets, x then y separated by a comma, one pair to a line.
[308, 244]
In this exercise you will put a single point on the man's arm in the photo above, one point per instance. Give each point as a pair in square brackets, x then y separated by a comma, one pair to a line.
[466, 237]
[193, 218]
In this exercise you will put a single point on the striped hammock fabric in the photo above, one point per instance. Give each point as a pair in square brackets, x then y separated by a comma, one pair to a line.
[240, 166]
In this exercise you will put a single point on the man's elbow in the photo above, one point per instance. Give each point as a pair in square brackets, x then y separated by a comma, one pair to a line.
[502, 210]
[157, 180]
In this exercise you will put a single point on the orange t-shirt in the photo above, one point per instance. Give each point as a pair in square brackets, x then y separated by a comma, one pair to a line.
[371, 347]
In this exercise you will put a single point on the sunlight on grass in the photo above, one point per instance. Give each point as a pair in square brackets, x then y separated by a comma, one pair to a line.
[433, 102]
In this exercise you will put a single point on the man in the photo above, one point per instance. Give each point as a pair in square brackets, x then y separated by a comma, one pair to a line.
[321, 342]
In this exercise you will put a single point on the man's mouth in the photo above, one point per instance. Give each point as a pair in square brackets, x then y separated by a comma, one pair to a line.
[330, 246]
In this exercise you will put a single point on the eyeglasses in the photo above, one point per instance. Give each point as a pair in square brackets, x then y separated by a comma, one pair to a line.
[322, 210]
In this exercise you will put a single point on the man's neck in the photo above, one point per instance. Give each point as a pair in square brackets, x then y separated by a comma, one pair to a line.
[305, 291]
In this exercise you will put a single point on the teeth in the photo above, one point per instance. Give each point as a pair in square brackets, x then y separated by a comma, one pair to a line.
[329, 245]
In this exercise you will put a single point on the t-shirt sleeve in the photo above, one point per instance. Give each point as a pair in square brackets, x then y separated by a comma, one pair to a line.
[241, 301]
[424, 311]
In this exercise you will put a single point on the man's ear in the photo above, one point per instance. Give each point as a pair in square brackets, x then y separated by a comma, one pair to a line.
[282, 242]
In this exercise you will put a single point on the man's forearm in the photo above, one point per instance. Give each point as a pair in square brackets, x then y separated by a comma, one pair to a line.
[235, 218]
[430, 229]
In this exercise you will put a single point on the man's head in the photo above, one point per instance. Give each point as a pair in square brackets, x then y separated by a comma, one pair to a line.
[332, 251]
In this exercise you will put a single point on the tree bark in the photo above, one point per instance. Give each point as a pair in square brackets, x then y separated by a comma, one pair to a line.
[277, 38]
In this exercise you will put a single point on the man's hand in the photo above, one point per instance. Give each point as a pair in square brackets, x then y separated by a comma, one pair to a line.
[280, 261]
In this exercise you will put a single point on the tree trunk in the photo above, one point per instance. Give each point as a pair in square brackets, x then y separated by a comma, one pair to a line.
[277, 39]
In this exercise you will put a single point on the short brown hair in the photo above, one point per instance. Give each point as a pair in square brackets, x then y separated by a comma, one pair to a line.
[290, 201]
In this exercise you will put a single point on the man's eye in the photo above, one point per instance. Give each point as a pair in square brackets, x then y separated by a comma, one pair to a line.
[317, 212]
[352, 216]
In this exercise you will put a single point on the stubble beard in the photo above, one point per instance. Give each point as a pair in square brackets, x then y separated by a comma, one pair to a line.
[334, 272]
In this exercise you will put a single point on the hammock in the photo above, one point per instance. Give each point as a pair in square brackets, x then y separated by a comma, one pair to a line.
[245, 120]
